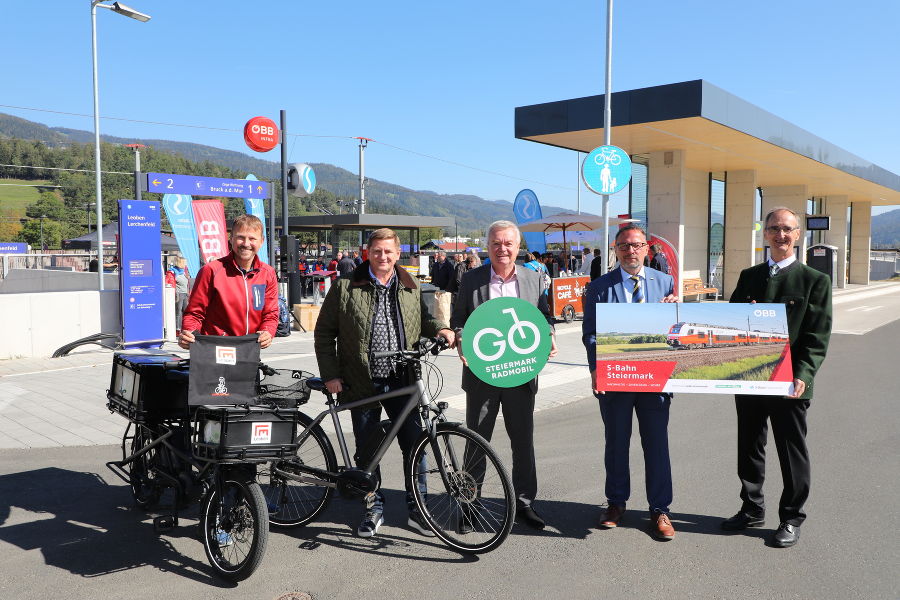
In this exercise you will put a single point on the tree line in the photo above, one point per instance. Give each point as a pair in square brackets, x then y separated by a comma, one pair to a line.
[68, 209]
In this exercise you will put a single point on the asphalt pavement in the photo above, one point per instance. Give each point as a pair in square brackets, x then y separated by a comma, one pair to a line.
[68, 527]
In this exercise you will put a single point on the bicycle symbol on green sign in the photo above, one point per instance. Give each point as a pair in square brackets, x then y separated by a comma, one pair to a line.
[518, 327]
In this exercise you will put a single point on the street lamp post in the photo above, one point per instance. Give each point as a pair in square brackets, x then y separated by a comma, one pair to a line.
[42, 231]
[120, 8]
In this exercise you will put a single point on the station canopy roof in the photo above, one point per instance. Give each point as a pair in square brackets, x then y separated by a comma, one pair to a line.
[717, 131]
[368, 221]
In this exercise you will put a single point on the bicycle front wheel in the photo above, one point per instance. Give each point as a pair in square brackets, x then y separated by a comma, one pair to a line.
[469, 503]
[234, 526]
[294, 503]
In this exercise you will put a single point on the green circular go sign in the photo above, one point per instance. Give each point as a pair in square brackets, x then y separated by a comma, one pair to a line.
[506, 342]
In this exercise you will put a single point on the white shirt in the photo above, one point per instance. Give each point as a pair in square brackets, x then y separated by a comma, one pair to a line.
[585, 268]
[783, 263]
[628, 283]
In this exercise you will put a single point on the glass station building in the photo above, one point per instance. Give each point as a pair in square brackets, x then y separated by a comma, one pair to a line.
[708, 166]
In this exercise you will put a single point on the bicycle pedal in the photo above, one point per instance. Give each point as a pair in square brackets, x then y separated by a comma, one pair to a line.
[164, 523]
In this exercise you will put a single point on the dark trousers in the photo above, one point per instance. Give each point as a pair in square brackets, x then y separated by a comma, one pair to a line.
[482, 406]
[788, 418]
[652, 411]
[366, 424]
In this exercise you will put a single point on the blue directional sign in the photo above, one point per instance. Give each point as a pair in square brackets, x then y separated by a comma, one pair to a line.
[606, 170]
[167, 183]
[13, 248]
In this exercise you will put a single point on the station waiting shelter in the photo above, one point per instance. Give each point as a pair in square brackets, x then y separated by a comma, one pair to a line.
[707, 167]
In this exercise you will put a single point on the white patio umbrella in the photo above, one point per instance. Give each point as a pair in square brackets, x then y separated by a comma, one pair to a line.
[565, 222]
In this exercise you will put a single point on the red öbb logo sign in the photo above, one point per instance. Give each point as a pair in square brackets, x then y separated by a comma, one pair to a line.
[261, 134]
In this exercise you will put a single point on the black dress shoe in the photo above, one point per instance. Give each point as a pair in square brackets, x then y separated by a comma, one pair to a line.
[786, 535]
[529, 516]
[742, 521]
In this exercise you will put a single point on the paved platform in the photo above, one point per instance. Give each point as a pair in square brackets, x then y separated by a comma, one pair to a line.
[55, 402]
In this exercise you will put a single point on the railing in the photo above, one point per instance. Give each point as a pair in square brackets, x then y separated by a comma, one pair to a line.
[63, 261]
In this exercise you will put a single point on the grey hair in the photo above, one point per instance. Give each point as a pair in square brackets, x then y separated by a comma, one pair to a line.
[780, 209]
[501, 225]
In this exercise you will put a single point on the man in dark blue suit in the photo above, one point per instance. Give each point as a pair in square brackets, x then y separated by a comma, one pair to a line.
[632, 282]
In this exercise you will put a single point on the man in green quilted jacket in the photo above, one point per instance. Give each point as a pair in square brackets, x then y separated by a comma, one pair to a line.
[376, 308]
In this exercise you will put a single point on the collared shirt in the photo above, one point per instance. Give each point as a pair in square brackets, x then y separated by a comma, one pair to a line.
[783, 263]
[628, 283]
[500, 287]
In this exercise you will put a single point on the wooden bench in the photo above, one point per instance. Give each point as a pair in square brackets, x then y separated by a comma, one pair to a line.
[692, 285]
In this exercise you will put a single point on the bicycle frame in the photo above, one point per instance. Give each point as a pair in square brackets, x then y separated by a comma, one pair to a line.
[418, 396]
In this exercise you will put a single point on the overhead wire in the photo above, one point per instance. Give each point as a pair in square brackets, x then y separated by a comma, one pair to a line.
[299, 135]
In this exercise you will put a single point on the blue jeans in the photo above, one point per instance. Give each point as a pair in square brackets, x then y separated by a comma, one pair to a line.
[652, 411]
[366, 423]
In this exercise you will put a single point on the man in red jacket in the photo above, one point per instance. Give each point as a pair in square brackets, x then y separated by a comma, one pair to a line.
[236, 294]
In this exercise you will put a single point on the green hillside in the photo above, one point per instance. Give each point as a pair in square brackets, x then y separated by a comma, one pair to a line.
[17, 194]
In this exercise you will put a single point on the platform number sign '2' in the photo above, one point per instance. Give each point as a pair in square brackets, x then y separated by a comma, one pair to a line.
[506, 342]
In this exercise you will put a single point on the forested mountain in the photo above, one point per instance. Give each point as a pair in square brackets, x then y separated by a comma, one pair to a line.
[886, 230]
[471, 212]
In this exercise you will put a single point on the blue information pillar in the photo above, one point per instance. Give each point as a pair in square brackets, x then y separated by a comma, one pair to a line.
[140, 273]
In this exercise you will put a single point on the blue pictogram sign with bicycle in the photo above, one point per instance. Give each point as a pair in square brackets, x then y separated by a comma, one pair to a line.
[606, 170]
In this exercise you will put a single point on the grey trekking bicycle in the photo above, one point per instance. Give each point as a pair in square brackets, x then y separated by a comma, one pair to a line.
[469, 505]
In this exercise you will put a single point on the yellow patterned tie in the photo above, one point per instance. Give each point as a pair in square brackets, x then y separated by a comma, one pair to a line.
[637, 296]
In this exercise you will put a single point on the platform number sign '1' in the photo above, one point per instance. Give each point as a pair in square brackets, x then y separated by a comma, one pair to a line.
[506, 342]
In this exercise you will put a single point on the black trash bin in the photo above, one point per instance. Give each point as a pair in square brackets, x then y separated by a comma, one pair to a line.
[823, 257]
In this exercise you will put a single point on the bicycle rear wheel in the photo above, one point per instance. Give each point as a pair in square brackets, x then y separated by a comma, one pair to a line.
[474, 510]
[294, 503]
[234, 527]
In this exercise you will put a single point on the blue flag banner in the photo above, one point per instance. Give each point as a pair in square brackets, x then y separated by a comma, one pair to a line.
[140, 273]
[257, 208]
[181, 218]
[526, 209]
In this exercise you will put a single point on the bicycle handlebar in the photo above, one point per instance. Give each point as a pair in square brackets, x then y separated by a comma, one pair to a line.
[421, 348]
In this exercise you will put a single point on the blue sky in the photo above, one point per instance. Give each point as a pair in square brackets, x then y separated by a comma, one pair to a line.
[443, 79]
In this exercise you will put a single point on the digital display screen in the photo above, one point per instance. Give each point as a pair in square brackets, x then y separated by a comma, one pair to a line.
[818, 223]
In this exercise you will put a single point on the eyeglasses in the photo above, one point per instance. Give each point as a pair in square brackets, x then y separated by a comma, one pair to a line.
[774, 230]
[634, 246]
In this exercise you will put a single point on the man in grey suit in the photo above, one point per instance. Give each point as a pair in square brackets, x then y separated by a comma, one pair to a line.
[502, 277]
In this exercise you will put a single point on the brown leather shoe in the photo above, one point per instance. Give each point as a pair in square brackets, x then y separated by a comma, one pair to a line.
[612, 516]
[662, 526]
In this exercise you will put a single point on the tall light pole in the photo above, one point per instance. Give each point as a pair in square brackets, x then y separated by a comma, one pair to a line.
[607, 126]
[132, 14]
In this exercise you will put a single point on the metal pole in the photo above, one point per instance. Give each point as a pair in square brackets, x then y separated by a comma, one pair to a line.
[97, 145]
[272, 225]
[578, 178]
[284, 190]
[362, 176]
[607, 127]
[42, 233]
[137, 174]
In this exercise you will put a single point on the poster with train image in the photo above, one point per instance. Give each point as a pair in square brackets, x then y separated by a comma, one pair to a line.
[706, 348]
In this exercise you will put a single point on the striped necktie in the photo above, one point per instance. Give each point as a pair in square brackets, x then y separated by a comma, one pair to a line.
[637, 297]
[773, 270]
